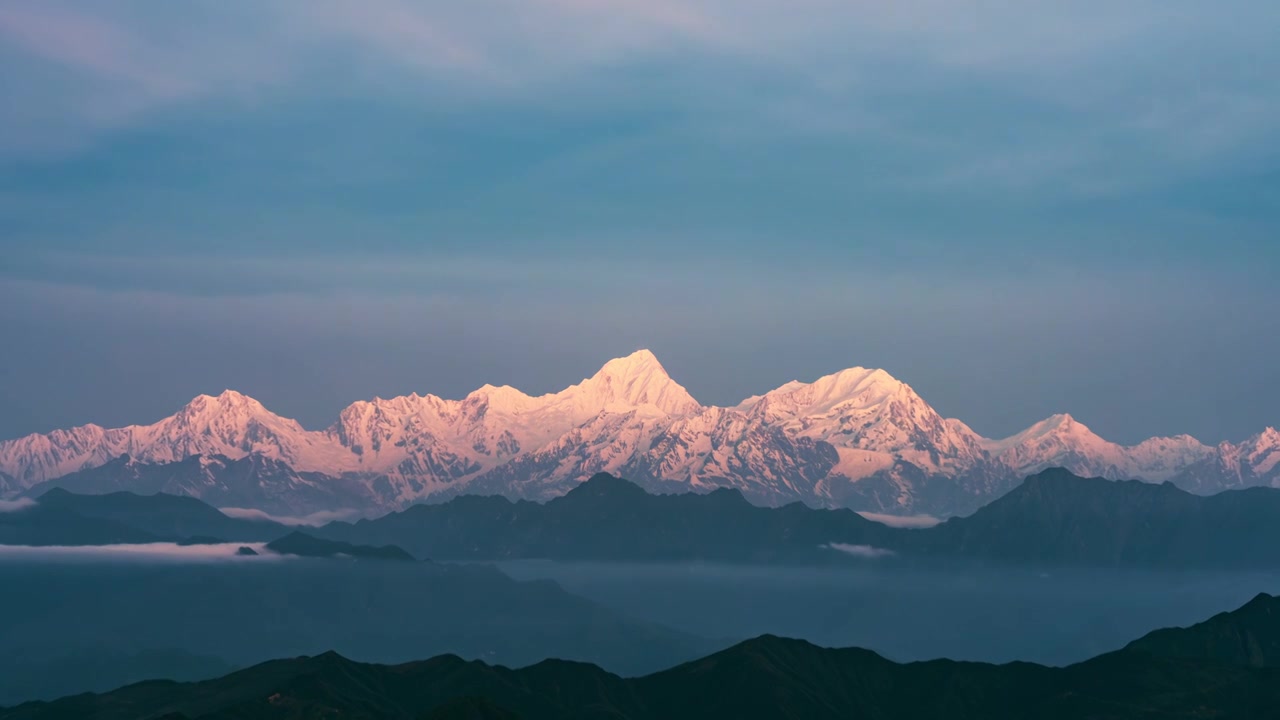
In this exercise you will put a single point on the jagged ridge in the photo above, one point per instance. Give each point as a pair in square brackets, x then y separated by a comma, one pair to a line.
[857, 438]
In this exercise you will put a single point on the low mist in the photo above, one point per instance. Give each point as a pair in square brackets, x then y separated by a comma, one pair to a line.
[148, 552]
[1052, 617]
[16, 505]
[315, 519]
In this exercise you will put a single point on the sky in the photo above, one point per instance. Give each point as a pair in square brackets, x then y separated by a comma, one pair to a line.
[1019, 209]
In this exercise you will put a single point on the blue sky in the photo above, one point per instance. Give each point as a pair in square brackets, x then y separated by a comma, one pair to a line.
[1018, 210]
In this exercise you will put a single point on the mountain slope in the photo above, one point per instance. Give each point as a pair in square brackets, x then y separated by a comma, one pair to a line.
[1062, 441]
[1052, 519]
[768, 677]
[857, 438]
[1253, 463]
[1249, 636]
[301, 544]
[607, 518]
[1056, 517]
[253, 481]
[163, 515]
[40, 525]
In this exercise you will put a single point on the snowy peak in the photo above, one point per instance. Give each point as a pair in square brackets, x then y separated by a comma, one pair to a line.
[638, 364]
[1161, 458]
[635, 381]
[1063, 441]
[229, 408]
[37, 457]
[232, 419]
[1056, 430]
[855, 387]
[503, 399]
[856, 438]
[233, 425]
[1262, 453]
[872, 419]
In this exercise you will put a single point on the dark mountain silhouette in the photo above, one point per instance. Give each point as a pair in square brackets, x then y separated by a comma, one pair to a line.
[303, 545]
[253, 481]
[51, 525]
[768, 677]
[1056, 517]
[1053, 518]
[470, 708]
[164, 515]
[1248, 636]
[607, 518]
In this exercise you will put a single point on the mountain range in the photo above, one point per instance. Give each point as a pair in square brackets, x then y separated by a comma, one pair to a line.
[1225, 667]
[858, 438]
[1052, 519]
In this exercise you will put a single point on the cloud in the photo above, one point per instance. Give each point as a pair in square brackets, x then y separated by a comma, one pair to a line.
[89, 44]
[315, 519]
[16, 505]
[862, 551]
[902, 521]
[148, 552]
[1179, 77]
[428, 196]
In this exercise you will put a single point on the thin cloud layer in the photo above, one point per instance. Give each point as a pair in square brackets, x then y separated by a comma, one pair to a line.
[149, 552]
[1176, 73]
[862, 551]
[313, 520]
[902, 521]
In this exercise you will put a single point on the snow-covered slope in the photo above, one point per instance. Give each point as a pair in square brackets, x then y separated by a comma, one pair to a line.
[1254, 462]
[1062, 441]
[858, 438]
[231, 425]
[874, 417]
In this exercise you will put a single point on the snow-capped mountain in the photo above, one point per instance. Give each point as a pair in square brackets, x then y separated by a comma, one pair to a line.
[1062, 441]
[230, 425]
[1254, 462]
[857, 438]
[252, 481]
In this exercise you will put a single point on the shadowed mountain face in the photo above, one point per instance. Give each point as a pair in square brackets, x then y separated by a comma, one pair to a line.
[1056, 517]
[607, 518]
[1249, 636]
[1169, 674]
[253, 481]
[163, 515]
[52, 525]
[304, 545]
[59, 517]
[1053, 518]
